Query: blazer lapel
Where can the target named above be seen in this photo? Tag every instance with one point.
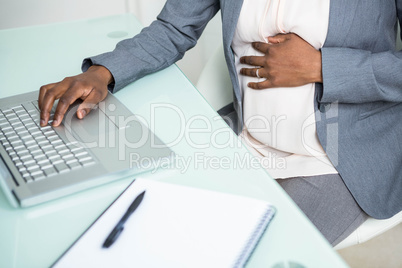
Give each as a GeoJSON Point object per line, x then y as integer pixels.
{"type": "Point", "coordinates": [341, 14]}
{"type": "Point", "coordinates": [230, 14]}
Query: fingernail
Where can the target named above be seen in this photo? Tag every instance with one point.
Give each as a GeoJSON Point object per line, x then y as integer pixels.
{"type": "Point", "coordinates": [55, 122]}
{"type": "Point", "coordinates": [42, 122]}
{"type": "Point", "coordinates": [82, 113]}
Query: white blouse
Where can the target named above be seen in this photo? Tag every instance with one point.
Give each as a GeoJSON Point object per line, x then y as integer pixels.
{"type": "Point", "coordinates": [279, 123]}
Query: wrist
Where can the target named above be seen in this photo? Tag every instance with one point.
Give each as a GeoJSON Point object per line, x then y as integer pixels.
{"type": "Point", "coordinates": [102, 73]}
{"type": "Point", "coordinates": [317, 77]}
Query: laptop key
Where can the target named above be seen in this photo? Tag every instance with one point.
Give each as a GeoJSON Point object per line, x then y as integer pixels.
{"type": "Point", "coordinates": [70, 161]}
{"type": "Point", "coordinates": [28, 179]}
{"type": "Point", "coordinates": [23, 153]}
{"type": "Point", "coordinates": [46, 147]}
{"type": "Point", "coordinates": [18, 126]}
{"type": "Point", "coordinates": [22, 114]}
{"type": "Point", "coordinates": [35, 117]}
{"type": "Point", "coordinates": [5, 142]}
{"type": "Point", "coordinates": [33, 147]}
{"type": "Point", "coordinates": [6, 127]}
{"type": "Point", "coordinates": [61, 167]}
{"type": "Point", "coordinates": [50, 152]}
{"type": "Point", "coordinates": [13, 121]}
{"type": "Point", "coordinates": [65, 152]}
{"type": "Point", "coordinates": [43, 161]}
{"type": "Point", "coordinates": [37, 174]}
{"type": "Point", "coordinates": [53, 138]}
{"type": "Point", "coordinates": [11, 116]}
{"type": "Point", "coordinates": [67, 156]}
{"type": "Point", "coordinates": [17, 107]}
{"type": "Point", "coordinates": [45, 166]}
{"type": "Point", "coordinates": [30, 142]}
{"type": "Point", "coordinates": [54, 157]}
{"type": "Point", "coordinates": [36, 152]}
{"type": "Point", "coordinates": [44, 144]}
{"type": "Point", "coordinates": [10, 133]}
{"type": "Point", "coordinates": [49, 133]}
{"type": "Point", "coordinates": [30, 162]}
{"type": "Point", "coordinates": [27, 138]}
{"type": "Point", "coordinates": [57, 143]}
{"type": "Point", "coordinates": [39, 138]}
{"type": "Point", "coordinates": [61, 147]}
{"type": "Point", "coordinates": [81, 154]}
{"type": "Point", "coordinates": [13, 139]}
{"type": "Point", "coordinates": [56, 160]}
{"type": "Point", "coordinates": [31, 106]}
{"type": "Point", "coordinates": [35, 131]}
{"type": "Point", "coordinates": [22, 169]}
{"type": "Point", "coordinates": [49, 171]}
{"type": "Point", "coordinates": [18, 144]}
{"type": "Point", "coordinates": [32, 127]}
{"type": "Point", "coordinates": [18, 163]}
{"type": "Point", "coordinates": [74, 165]}
{"type": "Point", "coordinates": [26, 158]}
{"type": "Point", "coordinates": [33, 168]}
{"type": "Point", "coordinates": [45, 128]}
{"type": "Point", "coordinates": [77, 150]}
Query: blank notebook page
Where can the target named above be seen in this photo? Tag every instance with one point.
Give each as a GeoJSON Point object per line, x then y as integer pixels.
{"type": "Point", "coordinates": [174, 226]}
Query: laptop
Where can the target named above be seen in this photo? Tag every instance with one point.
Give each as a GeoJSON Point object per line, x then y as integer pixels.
{"type": "Point", "coordinates": [39, 164]}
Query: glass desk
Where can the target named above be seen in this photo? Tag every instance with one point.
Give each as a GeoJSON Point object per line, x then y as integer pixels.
{"type": "Point", "coordinates": [208, 153]}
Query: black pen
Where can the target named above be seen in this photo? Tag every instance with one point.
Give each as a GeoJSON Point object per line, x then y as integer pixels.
{"type": "Point", "coordinates": [112, 237]}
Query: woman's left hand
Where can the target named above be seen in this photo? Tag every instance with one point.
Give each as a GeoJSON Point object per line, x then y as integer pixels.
{"type": "Point", "coordinates": [288, 61]}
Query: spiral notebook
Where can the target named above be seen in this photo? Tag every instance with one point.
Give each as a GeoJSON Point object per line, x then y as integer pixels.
{"type": "Point", "coordinates": [174, 226]}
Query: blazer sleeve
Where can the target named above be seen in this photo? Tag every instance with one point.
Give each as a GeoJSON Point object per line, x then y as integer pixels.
{"type": "Point", "coordinates": [358, 76]}
{"type": "Point", "coordinates": [176, 30]}
{"type": "Point", "coordinates": [353, 75]}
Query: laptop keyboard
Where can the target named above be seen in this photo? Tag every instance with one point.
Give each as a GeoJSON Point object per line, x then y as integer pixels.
{"type": "Point", "coordinates": [38, 152]}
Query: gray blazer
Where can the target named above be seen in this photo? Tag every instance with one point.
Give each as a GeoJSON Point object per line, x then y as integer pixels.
{"type": "Point", "coordinates": [358, 106]}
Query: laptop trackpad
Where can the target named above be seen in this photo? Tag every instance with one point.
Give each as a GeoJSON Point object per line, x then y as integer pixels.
{"type": "Point", "coordinates": [95, 127]}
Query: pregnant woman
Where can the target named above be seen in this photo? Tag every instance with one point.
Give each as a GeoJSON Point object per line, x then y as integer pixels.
{"type": "Point", "coordinates": [317, 84]}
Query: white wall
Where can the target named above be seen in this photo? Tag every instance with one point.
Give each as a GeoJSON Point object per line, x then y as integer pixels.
{"type": "Point", "coordinates": [195, 59]}
{"type": "Point", "coordinates": [19, 13]}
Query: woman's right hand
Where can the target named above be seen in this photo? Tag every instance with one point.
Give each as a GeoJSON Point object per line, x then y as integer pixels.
{"type": "Point", "coordinates": [90, 86]}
